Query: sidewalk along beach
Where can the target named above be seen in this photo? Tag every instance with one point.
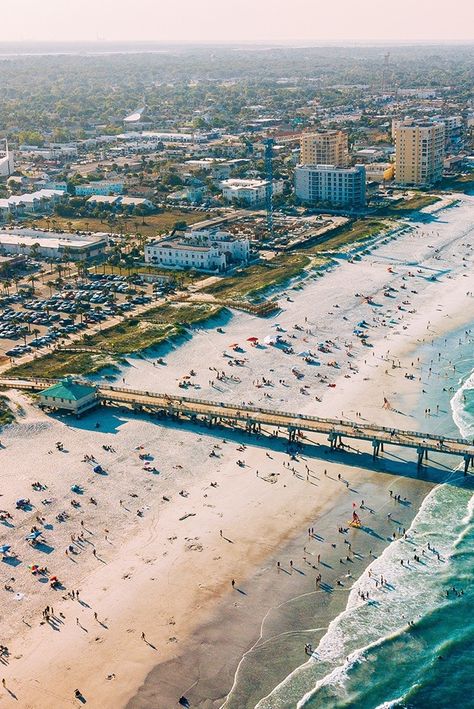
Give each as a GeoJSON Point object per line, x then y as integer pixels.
{"type": "Point", "coordinates": [173, 563]}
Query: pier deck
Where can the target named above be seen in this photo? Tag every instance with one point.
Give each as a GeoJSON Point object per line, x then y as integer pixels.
{"type": "Point", "coordinates": [255, 418]}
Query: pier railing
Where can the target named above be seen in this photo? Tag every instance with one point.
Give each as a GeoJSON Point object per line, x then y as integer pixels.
{"type": "Point", "coordinates": [254, 417]}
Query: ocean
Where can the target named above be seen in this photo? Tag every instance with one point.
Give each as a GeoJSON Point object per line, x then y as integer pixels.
{"type": "Point", "coordinates": [411, 645]}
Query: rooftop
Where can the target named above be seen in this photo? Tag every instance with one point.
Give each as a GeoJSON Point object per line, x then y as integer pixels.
{"type": "Point", "coordinates": [49, 239]}
{"type": "Point", "coordinates": [68, 390]}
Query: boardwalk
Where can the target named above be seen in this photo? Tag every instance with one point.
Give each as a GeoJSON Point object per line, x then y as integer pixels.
{"type": "Point", "coordinates": [255, 418]}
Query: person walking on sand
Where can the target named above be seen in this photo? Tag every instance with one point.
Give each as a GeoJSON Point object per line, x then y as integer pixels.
{"type": "Point", "coordinates": [233, 583]}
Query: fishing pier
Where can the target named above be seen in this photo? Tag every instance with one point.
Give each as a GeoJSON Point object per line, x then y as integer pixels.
{"type": "Point", "coordinates": [255, 419]}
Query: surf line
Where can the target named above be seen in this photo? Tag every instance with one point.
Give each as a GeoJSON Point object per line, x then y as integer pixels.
{"type": "Point", "coordinates": [264, 619]}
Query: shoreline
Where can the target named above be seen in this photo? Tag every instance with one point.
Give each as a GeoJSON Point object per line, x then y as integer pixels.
{"type": "Point", "coordinates": [180, 565]}
{"type": "Point", "coordinates": [207, 639]}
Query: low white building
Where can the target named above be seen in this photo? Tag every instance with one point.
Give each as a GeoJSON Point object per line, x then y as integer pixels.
{"type": "Point", "coordinates": [33, 202]}
{"type": "Point", "coordinates": [211, 251]}
{"type": "Point", "coordinates": [46, 244]}
{"type": "Point", "coordinates": [52, 151]}
{"type": "Point", "coordinates": [119, 201]}
{"type": "Point", "coordinates": [249, 192]}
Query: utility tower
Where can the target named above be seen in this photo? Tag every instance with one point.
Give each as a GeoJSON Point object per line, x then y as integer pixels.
{"type": "Point", "coordinates": [269, 175]}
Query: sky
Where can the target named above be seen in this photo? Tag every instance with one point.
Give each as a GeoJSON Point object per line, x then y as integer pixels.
{"type": "Point", "coordinates": [237, 20]}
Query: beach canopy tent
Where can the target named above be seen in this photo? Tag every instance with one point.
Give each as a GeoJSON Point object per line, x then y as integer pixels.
{"type": "Point", "coordinates": [70, 396]}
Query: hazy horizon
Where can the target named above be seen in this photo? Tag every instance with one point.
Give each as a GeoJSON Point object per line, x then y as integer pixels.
{"type": "Point", "coordinates": [238, 21]}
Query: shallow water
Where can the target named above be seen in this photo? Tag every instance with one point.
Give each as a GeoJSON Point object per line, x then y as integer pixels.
{"type": "Point", "coordinates": [412, 644]}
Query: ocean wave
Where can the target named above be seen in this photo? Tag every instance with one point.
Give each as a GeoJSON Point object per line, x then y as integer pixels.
{"type": "Point", "coordinates": [340, 674]}
{"type": "Point", "coordinates": [413, 593]}
{"type": "Point", "coordinates": [391, 704]}
{"type": "Point", "coordinates": [463, 418]}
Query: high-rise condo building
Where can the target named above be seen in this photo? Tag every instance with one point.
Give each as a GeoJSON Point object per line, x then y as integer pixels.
{"type": "Point", "coordinates": [419, 152]}
{"type": "Point", "coordinates": [325, 148]}
{"type": "Point", "coordinates": [330, 185]}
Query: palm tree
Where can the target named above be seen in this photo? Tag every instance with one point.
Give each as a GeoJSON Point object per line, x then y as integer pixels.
{"type": "Point", "coordinates": [32, 279]}
{"type": "Point", "coordinates": [36, 332]}
{"type": "Point", "coordinates": [6, 285]}
{"type": "Point", "coordinates": [50, 285]}
{"type": "Point", "coordinates": [67, 259]}
{"type": "Point", "coordinates": [98, 309]}
{"type": "Point", "coordinates": [34, 249]}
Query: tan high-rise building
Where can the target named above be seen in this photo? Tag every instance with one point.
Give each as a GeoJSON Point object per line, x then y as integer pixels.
{"type": "Point", "coordinates": [325, 148]}
{"type": "Point", "coordinates": [419, 152]}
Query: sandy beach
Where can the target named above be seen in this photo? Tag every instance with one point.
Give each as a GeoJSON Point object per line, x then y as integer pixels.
{"type": "Point", "coordinates": [154, 544]}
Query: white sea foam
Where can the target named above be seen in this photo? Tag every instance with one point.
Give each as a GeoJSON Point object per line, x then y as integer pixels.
{"type": "Point", "coordinates": [339, 675]}
{"type": "Point", "coordinates": [392, 606]}
{"type": "Point", "coordinates": [463, 419]}
{"type": "Point", "coordinates": [392, 704]}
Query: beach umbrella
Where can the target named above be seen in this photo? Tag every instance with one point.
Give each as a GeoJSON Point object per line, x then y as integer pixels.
{"type": "Point", "coordinates": [235, 344]}
{"type": "Point", "coordinates": [252, 339]}
{"type": "Point", "coordinates": [269, 340]}
{"type": "Point", "coordinates": [5, 548]}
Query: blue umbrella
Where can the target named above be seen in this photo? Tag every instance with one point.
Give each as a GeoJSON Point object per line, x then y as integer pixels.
{"type": "Point", "coordinates": [5, 548]}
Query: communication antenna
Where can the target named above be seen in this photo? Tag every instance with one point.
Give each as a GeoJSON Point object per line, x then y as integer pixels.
{"type": "Point", "coordinates": [269, 190]}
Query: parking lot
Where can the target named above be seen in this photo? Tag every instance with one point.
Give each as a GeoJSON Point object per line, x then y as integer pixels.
{"type": "Point", "coordinates": [30, 322]}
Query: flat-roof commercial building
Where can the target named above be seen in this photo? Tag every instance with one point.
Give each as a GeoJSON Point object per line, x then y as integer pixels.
{"type": "Point", "coordinates": [99, 188]}
{"type": "Point", "coordinates": [249, 192]}
{"type": "Point", "coordinates": [331, 186]}
{"type": "Point", "coordinates": [211, 251]}
{"type": "Point", "coordinates": [127, 203]}
{"type": "Point", "coordinates": [46, 244]}
{"type": "Point", "coordinates": [329, 147]}
{"type": "Point", "coordinates": [156, 137]}
{"type": "Point", "coordinates": [419, 152]}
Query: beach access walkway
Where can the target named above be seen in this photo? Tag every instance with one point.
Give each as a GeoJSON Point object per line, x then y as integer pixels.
{"type": "Point", "coordinates": [255, 418]}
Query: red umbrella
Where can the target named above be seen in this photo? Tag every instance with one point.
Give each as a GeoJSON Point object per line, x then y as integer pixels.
{"type": "Point", "coordinates": [252, 339]}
